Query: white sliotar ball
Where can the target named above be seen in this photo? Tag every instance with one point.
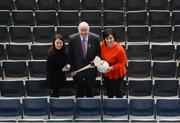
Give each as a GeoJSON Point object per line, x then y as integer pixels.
{"type": "Point", "coordinates": [103, 66]}
{"type": "Point", "coordinates": [68, 66]}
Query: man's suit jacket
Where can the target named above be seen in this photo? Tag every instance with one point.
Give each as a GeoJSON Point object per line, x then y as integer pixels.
{"type": "Point", "coordinates": [75, 53]}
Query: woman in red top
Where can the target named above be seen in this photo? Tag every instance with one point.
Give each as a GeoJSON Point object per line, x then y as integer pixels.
{"type": "Point", "coordinates": [115, 55]}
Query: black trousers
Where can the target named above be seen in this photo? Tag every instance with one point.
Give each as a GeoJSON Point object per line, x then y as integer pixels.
{"type": "Point", "coordinates": [113, 87]}
{"type": "Point", "coordinates": [84, 87]}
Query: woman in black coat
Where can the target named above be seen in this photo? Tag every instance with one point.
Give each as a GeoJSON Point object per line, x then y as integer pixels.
{"type": "Point", "coordinates": [56, 65]}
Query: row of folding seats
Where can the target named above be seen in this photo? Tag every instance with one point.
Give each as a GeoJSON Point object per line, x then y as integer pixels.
{"type": "Point", "coordinates": [153, 70]}
{"type": "Point", "coordinates": [33, 88]}
{"type": "Point", "coordinates": [24, 51]}
{"type": "Point", "coordinates": [135, 34]}
{"type": "Point", "coordinates": [136, 69]}
{"type": "Point", "coordinates": [111, 109]}
{"type": "Point", "coordinates": [88, 121]}
{"type": "Point", "coordinates": [90, 5]}
{"type": "Point", "coordinates": [154, 52]}
{"type": "Point", "coordinates": [24, 69]}
{"type": "Point", "coordinates": [157, 89]}
{"type": "Point", "coordinates": [134, 52]}
{"type": "Point", "coordinates": [134, 89]}
{"type": "Point", "coordinates": [94, 18]}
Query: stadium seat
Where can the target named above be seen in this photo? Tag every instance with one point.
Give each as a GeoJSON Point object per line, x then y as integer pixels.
{"type": "Point", "coordinates": [97, 30]}
{"type": "Point", "coordinates": [175, 35]}
{"type": "Point", "coordinates": [178, 72]}
{"type": "Point", "coordinates": [6, 4]}
{"type": "Point", "coordinates": [115, 121]}
{"type": "Point", "coordinates": [140, 88]}
{"type": "Point", "coordinates": [10, 109]}
{"type": "Point", "coordinates": [35, 108]}
{"type": "Point", "coordinates": [21, 34]}
{"type": "Point", "coordinates": [5, 17]}
{"type": "Point", "coordinates": [175, 18]}
{"type": "Point", "coordinates": [109, 5]}
{"type": "Point", "coordinates": [62, 108]}
{"type": "Point", "coordinates": [37, 88]}
{"type": "Point", "coordinates": [88, 120]}
{"type": "Point", "coordinates": [47, 4]}
{"type": "Point", "coordinates": [137, 34]}
{"type": "Point", "coordinates": [138, 52]}
{"type": "Point", "coordinates": [113, 17]}
{"type": "Point", "coordinates": [177, 54]}
{"type": "Point", "coordinates": [68, 18]}
{"type": "Point", "coordinates": [1, 73]}
{"type": "Point", "coordinates": [139, 69]}
{"type": "Point", "coordinates": [23, 17]}
{"type": "Point", "coordinates": [136, 17]}
{"type": "Point", "coordinates": [157, 5]}
{"type": "Point", "coordinates": [8, 121]}
{"type": "Point", "coordinates": [160, 34]}
{"type": "Point", "coordinates": [12, 88]}
{"type": "Point", "coordinates": [159, 17]}
{"type": "Point", "coordinates": [166, 88]}
{"type": "Point", "coordinates": [31, 121]}
{"type": "Point", "coordinates": [69, 4]}
{"type": "Point", "coordinates": [88, 108]}
{"type": "Point", "coordinates": [141, 109]}
{"type": "Point", "coordinates": [169, 121]}
{"type": "Point", "coordinates": [91, 4]}
{"type": "Point", "coordinates": [4, 35]}
{"type": "Point", "coordinates": [143, 121]}
{"type": "Point", "coordinates": [37, 68]}
{"type": "Point", "coordinates": [43, 34]}
{"type": "Point", "coordinates": [15, 69]}
{"type": "Point", "coordinates": [135, 6]}
{"type": "Point", "coordinates": [174, 5]}
{"type": "Point", "coordinates": [3, 55]}
{"type": "Point", "coordinates": [39, 51]}
{"type": "Point", "coordinates": [164, 70]}
{"type": "Point", "coordinates": [162, 52]}
{"type": "Point", "coordinates": [18, 52]}
{"type": "Point", "coordinates": [59, 121]}
{"type": "Point", "coordinates": [167, 108]}
{"type": "Point", "coordinates": [93, 17]}
{"type": "Point", "coordinates": [26, 5]}
{"type": "Point", "coordinates": [115, 109]}
{"type": "Point", "coordinates": [46, 18]}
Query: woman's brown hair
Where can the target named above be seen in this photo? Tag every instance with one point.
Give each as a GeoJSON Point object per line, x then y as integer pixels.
{"type": "Point", "coordinates": [53, 49]}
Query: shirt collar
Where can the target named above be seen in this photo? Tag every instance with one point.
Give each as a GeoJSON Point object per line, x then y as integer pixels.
{"type": "Point", "coordinates": [85, 38]}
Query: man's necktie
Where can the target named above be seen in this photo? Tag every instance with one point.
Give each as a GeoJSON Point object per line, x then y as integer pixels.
{"type": "Point", "coordinates": [84, 47]}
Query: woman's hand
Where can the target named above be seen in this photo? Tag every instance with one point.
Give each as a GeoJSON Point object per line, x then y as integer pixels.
{"type": "Point", "coordinates": [67, 67]}
{"type": "Point", "coordinates": [109, 69]}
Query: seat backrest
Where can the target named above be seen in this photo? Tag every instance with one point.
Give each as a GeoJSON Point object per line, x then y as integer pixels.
{"type": "Point", "coordinates": [12, 88]}
{"type": "Point", "coordinates": [88, 107]}
{"type": "Point", "coordinates": [18, 52]}
{"type": "Point", "coordinates": [141, 107]}
{"type": "Point", "coordinates": [10, 108]}
{"type": "Point", "coordinates": [37, 88]}
{"type": "Point", "coordinates": [140, 87]}
{"type": "Point", "coordinates": [115, 107]}
{"type": "Point", "coordinates": [35, 106]}
{"type": "Point", "coordinates": [61, 107]}
{"type": "Point", "coordinates": [168, 107]}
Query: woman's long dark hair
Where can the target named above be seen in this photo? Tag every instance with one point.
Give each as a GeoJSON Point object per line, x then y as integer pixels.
{"type": "Point", "coordinates": [52, 49]}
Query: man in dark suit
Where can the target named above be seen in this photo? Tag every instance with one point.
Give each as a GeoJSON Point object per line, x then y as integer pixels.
{"type": "Point", "coordinates": [83, 47]}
